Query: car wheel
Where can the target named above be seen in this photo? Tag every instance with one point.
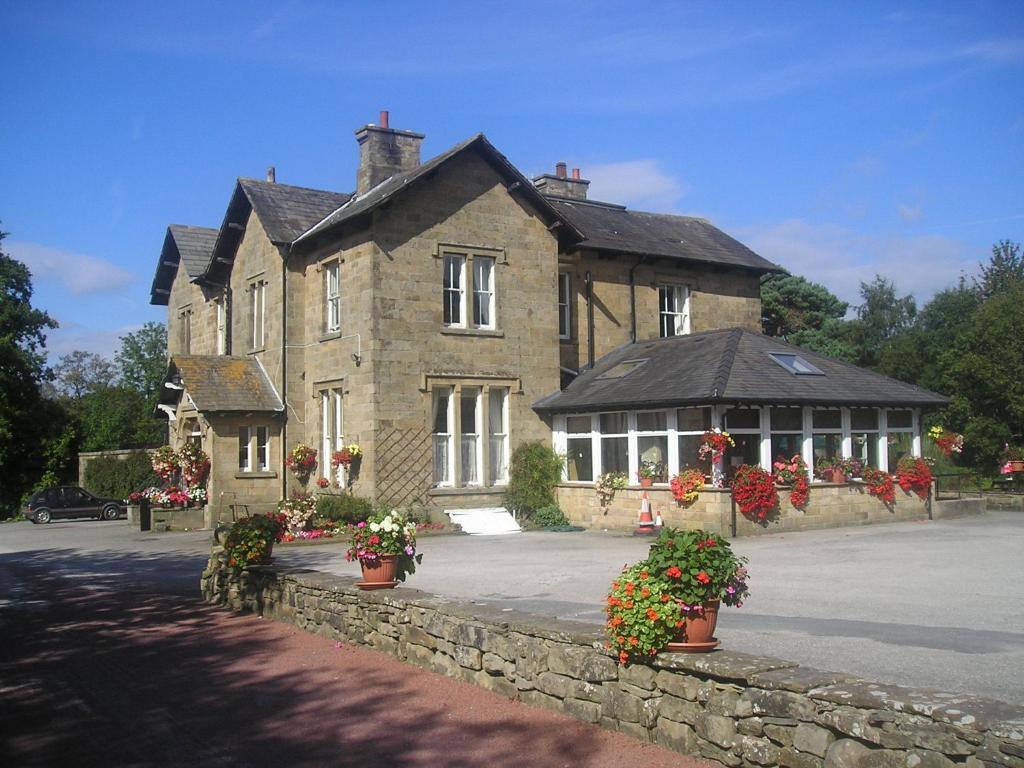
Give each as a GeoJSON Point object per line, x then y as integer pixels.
{"type": "Point", "coordinates": [42, 516]}
{"type": "Point", "coordinates": [110, 513]}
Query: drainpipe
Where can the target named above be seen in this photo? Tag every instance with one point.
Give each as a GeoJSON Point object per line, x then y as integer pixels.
{"type": "Point", "coordinates": [286, 251]}
{"type": "Point", "coordinates": [632, 299]}
{"type": "Point", "coordinates": [588, 280]}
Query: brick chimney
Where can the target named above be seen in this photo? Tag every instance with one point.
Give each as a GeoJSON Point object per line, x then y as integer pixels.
{"type": "Point", "coordinates": [383, 152]}
{"type": "Point", "coordinates": [561, 185]}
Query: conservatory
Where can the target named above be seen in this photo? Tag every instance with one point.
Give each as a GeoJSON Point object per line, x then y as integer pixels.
{"type": "Point", "coordinates": [648, 404]}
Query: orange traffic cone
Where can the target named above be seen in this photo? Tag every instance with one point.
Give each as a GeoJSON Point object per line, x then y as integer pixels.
{"type": "Point", "coordinates": [646, 527]}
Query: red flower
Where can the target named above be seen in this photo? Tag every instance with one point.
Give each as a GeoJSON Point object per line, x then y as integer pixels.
{"type": "Point", "coordinates": [673, 572]}
{"type": "Point", "coordinates": [652, 614]}
{"type": "Point", "coordinates": [703, 578]}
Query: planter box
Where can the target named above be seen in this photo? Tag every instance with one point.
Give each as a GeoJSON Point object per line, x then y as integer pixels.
{"type": "Point", "coordinates": [179, 519]}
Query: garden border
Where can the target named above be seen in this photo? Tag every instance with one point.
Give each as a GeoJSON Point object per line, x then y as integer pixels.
{"type": "Point", "coordinates": [735, 708]}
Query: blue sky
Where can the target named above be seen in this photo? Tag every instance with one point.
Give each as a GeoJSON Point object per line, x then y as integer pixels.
{"type": "Point", "coordinates": [837, 140]}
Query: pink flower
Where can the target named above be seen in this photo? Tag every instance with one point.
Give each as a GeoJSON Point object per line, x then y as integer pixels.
{"type": "Point", "coordinates": [409, 550]}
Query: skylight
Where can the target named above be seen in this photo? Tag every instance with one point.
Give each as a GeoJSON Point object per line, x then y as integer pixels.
{"type": "Point", "coordinates": [622, 369]}
{"type": "Point", "coordinates": [795, 364]}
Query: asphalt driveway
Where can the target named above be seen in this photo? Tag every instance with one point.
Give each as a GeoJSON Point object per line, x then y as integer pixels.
{"type": "Point", "coordinates": [932, 604]}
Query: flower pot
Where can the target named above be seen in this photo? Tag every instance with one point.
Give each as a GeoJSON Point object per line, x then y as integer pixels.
{"type": "Point", "coordinates": [836, 476]}
{"type": "Point", "coordinates": [379, 573]}
{"type": "Point", "coordinates": [646, 482]}
{"type": "Point", "coordinates": [1016, 466]}
{"type": "Point", "coordinates": [698, 632]}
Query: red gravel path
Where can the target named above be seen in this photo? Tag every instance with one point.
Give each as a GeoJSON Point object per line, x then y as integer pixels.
{"type": "Point", "coordinates": [136, 678]}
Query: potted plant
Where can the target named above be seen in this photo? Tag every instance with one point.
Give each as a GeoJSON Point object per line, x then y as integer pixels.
{"type": "Point", "coordinates": [914, 475]}
{"type": "Point", "coordinates": [830, 469]}
{"type": "Point", "coordinates": [385, 546]}
{"type": "Point", "coordinates": [649, 471]}
{"type": "Point", "coordinates": [687, 485]}
{"type": "Point", "coordinates": [298, 511]}
{"type": "Point", "coordinates": [946, 440]}
{"type": "Point", "coordinates": [880, 485]}
{"type": "Point", "coordinates": [793, 472]}
{"type": "Point", "coordinates": [670, 600]}
{"type": "Point", "coordinates": [713, 446]}
{"type": "Point", "coordinates": [852, 467]}
{"type": "Point", "coordinates": [1011, 460]}
{"type": "Point", "coordinates": [754, 492]}
{"type": "Point", "coordinates": [608, 483]}
{"type": "Point", "coordinates": [347, 457]}
{"type": "Point", "coordinates": [301, 460]}
{"type": "Point", "coordinates": [643, 617]}
{"type": "Point", "coordinates": [250, 541]}
{"type": "Point", "coordinates": [165, 462]}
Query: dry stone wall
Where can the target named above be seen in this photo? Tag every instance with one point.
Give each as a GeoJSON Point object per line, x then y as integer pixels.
{"type": "Point", "coordinates": [738, 709]}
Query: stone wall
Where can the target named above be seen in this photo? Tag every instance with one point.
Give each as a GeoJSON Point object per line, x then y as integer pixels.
{"type": "Point", "coordinates": [738, 709]}
{"type": "Point", "coordinates": [831, 505]}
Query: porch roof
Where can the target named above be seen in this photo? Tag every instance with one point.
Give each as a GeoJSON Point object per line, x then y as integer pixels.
{"type": "Point", "coordinates": [730, 366]}
{"type": "Point", "coordinates": [220, 383]}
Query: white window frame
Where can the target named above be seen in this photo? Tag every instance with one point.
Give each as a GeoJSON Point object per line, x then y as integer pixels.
{"type": "Point", "coordinates": [332, 437]}
{"type": "Point", "coordinates": [477, 460]}
{"type": "Point", "coordinates": [565, 305]}
{"type": "Point", "coordinates": [454, 266]}
{"type": "Point", "coordinates": [483, 291]}
{"type": "Point", "coordinates": [220, 305]}
{"type": "Point", "coordinates": [448, 480]}
{"type": "Point", "coordinates": [500, 474]}
{"type": "Point", "coordinates": [675, 312]}
{"type": "Point", "coordinates": [332, 296]}
{"type": "Point", "coordinates": [258, 297]}
{"type": "Point", "coordinates": [256, 441]}
{"type": "Point", "coordinates": [563, 436]}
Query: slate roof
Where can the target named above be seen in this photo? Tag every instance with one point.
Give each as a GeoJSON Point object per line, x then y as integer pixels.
{"type": "Point", "coordinates": [286, 211]}
{"type": "Point", "coordinates": [221, 383]}
{"type": "Point", "coordinates": [387, 189]}
{"type": "Point", "coordinates": [608, 227]}
{"type": "Point", "coordinates": [727, 366]}
{"type": "Point", "coordinates": [193, 245]}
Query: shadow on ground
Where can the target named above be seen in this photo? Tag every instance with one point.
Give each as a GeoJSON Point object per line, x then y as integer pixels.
{"type": "Point", "coordinates": [99, 668]}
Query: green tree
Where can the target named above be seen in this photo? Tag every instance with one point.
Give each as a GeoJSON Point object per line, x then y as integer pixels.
{"type": "Point", "coordinates": [117, 417]}
{"type": "Point", "coordinates": [23, 428]}
{"type": "Point", "coordinates": [983, 371]}
{"type": "Point", "coordinates": [791, 304]}
{"type": "Point", "coordinates": [880, 318]}
{"type": "Point", "coordinates": [1004, 271]}
{"type": "Point", "coordinates": [78, 373]}
{"type": "Point", "coordinates": [142, 359]}
{"type": "Point", "coordinates": [533, 473]}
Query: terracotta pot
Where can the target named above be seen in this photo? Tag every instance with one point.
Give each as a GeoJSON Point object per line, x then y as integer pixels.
{"type": "Point", "coordinates": [646, 482]}
{"type": "Point", "coordinates": [698, 632]}
{"type": "Point", "coordinates": [837, 476]}
{"type": "Point", "coordinates": [1016, 466]}
{"type": "Point", "coordinates": [379, 573]}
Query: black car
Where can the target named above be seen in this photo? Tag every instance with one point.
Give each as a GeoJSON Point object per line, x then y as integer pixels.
{"type": "Point", "coordinates": [70, 501]}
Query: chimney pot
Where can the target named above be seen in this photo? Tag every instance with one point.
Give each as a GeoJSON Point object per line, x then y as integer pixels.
{"type": "Point", "coordinates": [384, 119]}
{"type": "Point", "coordinates": [271, 175]}
{"type": "Point", "coordinates": [560, 170]}
{"type": "Point", "coordinates": [575, 173]}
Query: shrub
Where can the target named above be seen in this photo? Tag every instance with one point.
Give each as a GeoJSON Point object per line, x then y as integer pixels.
{"type": "Point", "coordinates": [115, 478]}
{"type": "Point", "coordinates": [250, 540]}
{"type": "Point", "coordinates": [548, 516]}
{"type": "Point", "coordinates": [534, 472]}
{"type": "Point", "coordinates": [343, 508]}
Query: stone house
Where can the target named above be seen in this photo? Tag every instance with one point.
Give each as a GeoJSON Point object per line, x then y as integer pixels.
{"type": "Point", "coordinates": [422, 316]}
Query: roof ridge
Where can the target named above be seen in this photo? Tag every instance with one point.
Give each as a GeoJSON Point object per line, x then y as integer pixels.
{"type": "Point", "coordinates": [724, 371]}
{"type": "Point", "coordinates": [278, 185]}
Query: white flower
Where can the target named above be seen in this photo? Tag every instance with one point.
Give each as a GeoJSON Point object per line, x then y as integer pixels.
{"type": "Point", "coordinates": [375, 527]}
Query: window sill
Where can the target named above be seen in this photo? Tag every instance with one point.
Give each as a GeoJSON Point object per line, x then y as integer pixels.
{"type": "Point", "coordinates": [329, 335]}
{"type": "Point", "coordinates": [452, 331]}
{"type": "Point", "coordinates": [255, 475]}
{"type": "Point", "coordinates": [471, 490]}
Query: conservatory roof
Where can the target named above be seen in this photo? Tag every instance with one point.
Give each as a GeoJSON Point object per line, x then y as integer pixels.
{"type": "Point", "coordinates": [730, 366]}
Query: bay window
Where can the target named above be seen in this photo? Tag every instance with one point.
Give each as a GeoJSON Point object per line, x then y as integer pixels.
{"type": "Point", "coordinates": [691, 424]}
{"type": "Point", "coordinates": [864, 435]}
{"type": "Point", "coordinates": [899, 430]}
{"type": "Point", "coordinates": [826, 435]}
{"type": "Point", "coordinates": [614, 428]}
{"type": "Point", "coordinates": [744, 425]}
{"type": "Point", "coordinates": [787, 426]}
{"type": "Point", "coordinates": [579, 449]}
{"type": "Point", "coordinates": [652, 443]}
{"type": "Point", "coordinates": [470, 435]}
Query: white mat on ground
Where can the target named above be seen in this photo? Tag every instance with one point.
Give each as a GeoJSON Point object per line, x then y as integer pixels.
{"type": "Point", "coordinates": [484, 521]}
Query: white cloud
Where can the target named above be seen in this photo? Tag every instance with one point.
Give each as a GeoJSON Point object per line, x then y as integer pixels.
{"type": "Point", "coordinates": [841, 259]}
{"type": "Point", "coordinates": [909, 213]}
{"type": "Point", "coordinates": [639, 184]}
{"type": "Point", "coordinates": [71, 336]}
{"type": "Point", "coordinates": [77, 273]}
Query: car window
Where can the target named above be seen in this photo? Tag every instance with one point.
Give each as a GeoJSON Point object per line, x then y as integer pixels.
{"type": "Point", "coordinates": [51, 496]}
{"type": "Point", "coordinates": [74, 497]}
